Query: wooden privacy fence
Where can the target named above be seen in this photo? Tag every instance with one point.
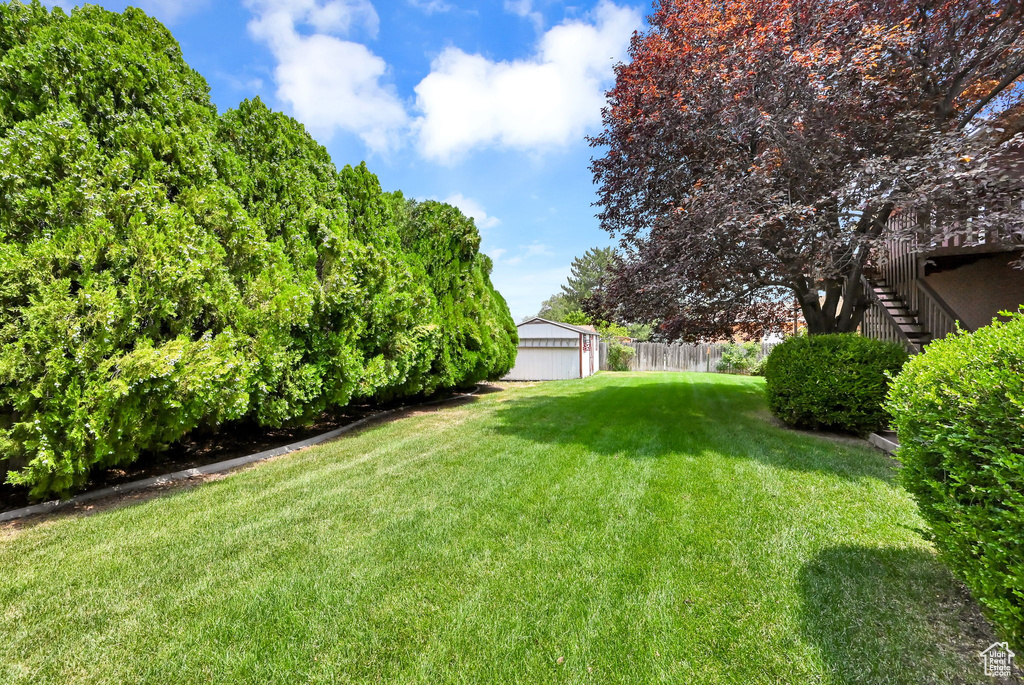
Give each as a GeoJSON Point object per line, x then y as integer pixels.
{"type": "Point", "coordinates": [665, 357]}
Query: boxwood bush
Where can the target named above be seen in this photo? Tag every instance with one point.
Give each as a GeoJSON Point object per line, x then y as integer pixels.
{"type": "Point", "coordinates": [831, 382]}
{"type": "Point", "coordinates": [165, 269]}
{"type": "Point", "coordinates": [959, 412]}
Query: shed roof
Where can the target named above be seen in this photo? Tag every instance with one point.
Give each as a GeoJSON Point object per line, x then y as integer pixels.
{"type": "Point", "coordinates": [588, 330]}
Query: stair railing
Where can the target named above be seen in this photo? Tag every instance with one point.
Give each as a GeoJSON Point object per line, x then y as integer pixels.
{"type": "Point", "coordinates": [878, 323]}
{"type": "Point", "coordinates": [934, 314]}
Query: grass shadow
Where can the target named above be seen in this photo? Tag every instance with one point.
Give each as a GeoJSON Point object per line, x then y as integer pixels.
{"type": "Point", "coordinates": [891, 615]}
{"type": "Point", "coordinates": [655, 415]}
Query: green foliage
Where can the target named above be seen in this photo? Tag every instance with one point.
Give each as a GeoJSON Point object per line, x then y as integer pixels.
{"type": "Point", "coordinates": [164, 269]}
{"type": "Point", "coordinates": [584, 287]}
{"type": "Point", "coordinates": [610, 331]}
{"type": "Point", "coordinates": [575, 317]}
{"type": "Point", "coordinates": [619, 356]}
{"type": "Point", "coordinates": [469, 329]}
{"type": "Point", "coordinates": [607, 329]}
{"type": "Point", "coordinates": [739, 357]}
{"type": "Point", "coordinates": [311, 273]}
{"type": "Point", "coordinates": [119, 295]}
{"type": "Point", "coordinates": [588, 274]}
{"type": "Point", "coordinates": [560, 307]}
{"type": "Point", "coordinates": [831, 382]}
{"type": "Point", "coordinates": [584, 300]}
{"type": "Point", "coordinates": [958, 409]}
{"type": "Point", "coordinates": [640, 332]}
{"type": "Point", "coordinates": [556, 308]}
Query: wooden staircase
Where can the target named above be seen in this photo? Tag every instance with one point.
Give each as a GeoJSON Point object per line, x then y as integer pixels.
{"type": "Point", "coordinates": [904, 319]}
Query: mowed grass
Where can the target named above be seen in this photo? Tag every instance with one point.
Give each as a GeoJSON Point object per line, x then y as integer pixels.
{"type": "Point", "coordinates": [629, 528]}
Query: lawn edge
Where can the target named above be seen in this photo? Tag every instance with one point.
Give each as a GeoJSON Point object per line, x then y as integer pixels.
{"type": "Point", "coordinates": [216, 467]}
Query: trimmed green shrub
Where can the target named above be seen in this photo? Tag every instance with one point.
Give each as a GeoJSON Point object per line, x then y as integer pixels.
{"type": "Point", "coordinates": [163, 269]}
{"type": "Point", "coordinates": [959, 410]}
{"type": "Point", "coordinates": [619, 356]}
{"type": "Point", "coordinates": [831, 382]}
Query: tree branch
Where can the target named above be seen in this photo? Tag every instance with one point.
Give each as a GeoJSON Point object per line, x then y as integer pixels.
{"type": "Point", "coordinates": [1014, 74]}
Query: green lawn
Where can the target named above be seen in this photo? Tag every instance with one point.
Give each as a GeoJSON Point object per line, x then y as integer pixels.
{"type": "Point", "coordinates": [629, 528]}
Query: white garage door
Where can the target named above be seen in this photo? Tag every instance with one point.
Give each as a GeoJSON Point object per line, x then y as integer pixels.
{"type": "Point", "coordinates": [545, 364]}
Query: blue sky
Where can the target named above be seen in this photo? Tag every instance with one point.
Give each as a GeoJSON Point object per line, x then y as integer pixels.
{"type": "Point", "coordinates": [482, 104]}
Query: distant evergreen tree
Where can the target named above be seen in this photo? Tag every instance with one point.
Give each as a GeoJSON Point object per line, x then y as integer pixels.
{"type": "Point", "coordinates": [585, 299]}
{"type": "Point", "coordinates": [588, 276]}
{"type": "Point", "coordinates": [585, 287]}
{"type": "Point", "coordinates": [556, 308]}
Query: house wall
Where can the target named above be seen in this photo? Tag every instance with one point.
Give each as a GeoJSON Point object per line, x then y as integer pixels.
{"type": "Point", "coordinates": [979, 290]}
{"type": "Point", "coordinates": [546, 364]}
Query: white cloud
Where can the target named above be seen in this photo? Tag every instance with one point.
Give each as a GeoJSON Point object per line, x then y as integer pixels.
{"type": "Point", "coordinates": [551, 99]}
{"type": "Point", "coordinates": [520, 7]}
{"type": "Point", "coordinates": [431, 6]}
{"type": "Point", "coordinates": [247, 86]}
{"type": "Point", "coordinates": [536, 249]}
{"type": "Point", "coordinates": [474, 209]}
{"type": "Point", "coordinates": [524, 8]}
{"type": "Point", "coordinates": [277, 19]}
{"type": "Point", "coordinates": [330, 84]}
{"type": "Point", "coordinates": [170, 11]}
{"type": "Point", "coordinates": [526, 252]}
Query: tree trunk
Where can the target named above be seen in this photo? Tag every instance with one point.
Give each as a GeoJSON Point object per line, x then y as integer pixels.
{"type": "Point", "coordinates": [820, 313]}
{"type": "Point", "coordinates": [845, 299]}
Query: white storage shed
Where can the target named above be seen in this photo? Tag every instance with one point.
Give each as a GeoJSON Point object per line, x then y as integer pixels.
{"type": "Point", "coordinates": [554, 351]}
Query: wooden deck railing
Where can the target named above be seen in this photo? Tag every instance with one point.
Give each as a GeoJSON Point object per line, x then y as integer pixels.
{"type": "Point", "coordinates": [937, 316]}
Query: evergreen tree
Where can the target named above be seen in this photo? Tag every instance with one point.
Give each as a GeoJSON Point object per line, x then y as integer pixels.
{"type": "Point", "coordinates": [588, 276]}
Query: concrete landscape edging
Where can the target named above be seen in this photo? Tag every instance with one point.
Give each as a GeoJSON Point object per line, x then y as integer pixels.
{"type": "Point", "coordinates": [217, 467]}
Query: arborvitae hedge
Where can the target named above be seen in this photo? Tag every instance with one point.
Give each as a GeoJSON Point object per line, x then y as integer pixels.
{"type": "Point", "coordinates": [468, 320]}
{"type": "Point", "coordinates": [164, 269]}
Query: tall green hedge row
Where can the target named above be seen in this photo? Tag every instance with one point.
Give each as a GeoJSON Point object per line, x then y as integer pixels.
{"type": "Point", "coordinates": [959, 412]}
{"type": "Point", "coordinates": [163, 268]}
